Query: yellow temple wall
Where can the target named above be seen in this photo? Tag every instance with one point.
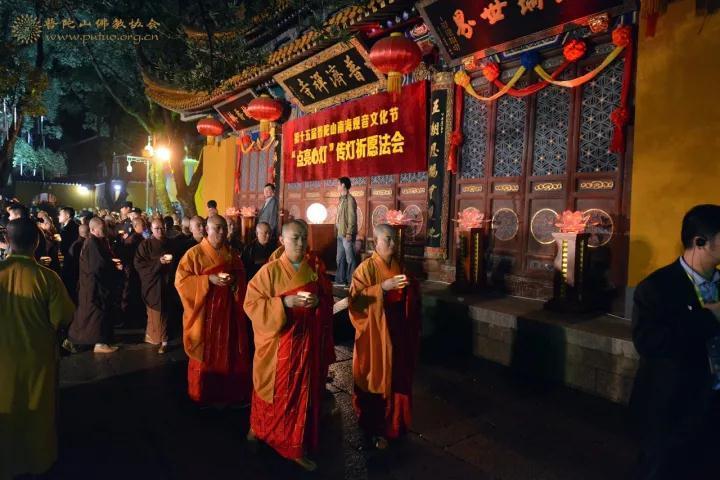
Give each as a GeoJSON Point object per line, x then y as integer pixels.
{"type": "Point", "coordinates": [676, 152]}
{"type": "Point", "coordinates": [218, 176]}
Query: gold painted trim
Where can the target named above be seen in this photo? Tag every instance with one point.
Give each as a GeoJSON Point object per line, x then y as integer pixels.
{"type": "Point", "coordinates": [312, 194]}
{"type": "Point", "coordinates": [294, 195]}
{"type": "Point", "coordinates": [471, 188]}
{"type": "Point", "coordinates": [381, 192]}
{"type": "Point", "coordinates": [507, 188]}
{"type": "Point", "coordinates": [412, 190]}
{"type": "Point", "coordinates": [547, 187]}
{"type": "Point", "coordinates": [596, 185]}
{"type": "Point", "coordinates": [335, 50]}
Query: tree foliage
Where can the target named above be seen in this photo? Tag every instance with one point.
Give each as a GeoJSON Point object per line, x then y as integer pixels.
{"type": "Point", "coordinates": [41, 162]}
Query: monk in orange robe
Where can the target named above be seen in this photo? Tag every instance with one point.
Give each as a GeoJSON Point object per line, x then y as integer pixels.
{"type": "Point", "coordinates": [290, 309]}
{"type": "Point", "coordinates": [210, 280]}
{"type": "Point", "coordinates": [384, 308]}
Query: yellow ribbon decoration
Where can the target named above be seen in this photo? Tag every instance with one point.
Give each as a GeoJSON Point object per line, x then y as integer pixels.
{"type": "Point", "coordinates": [576, 82]}
{"type": "Point", "coordinates": [463, 79]}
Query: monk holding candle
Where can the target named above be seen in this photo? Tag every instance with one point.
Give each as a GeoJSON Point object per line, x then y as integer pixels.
{"type": "Point", "coordinates": [384, 308]}
{"type": "Point", "coordinates": [154, 264]}
{"type": "Point", "coordinates": [290, 309]}
{"type": "Point", "coordinates": [211, 283]}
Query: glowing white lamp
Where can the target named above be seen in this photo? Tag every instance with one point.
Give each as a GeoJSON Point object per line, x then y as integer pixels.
{"type": "Point", "coordinates": [162, 154]}
{"type": "Point", "coordinates": [316, 213]}
{"type": "Point", "coordinates": [83, 190]}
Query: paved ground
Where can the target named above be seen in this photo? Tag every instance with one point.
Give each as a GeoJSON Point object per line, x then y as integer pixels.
{"type": "Point", "coordinates": [126, 415]}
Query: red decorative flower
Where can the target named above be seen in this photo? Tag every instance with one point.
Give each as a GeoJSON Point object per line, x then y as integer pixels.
{"type": "Point", "coordinates": [470, 218]}
{"type": "Point", "coordinates": [491, 71]}
{"type": "Point", "coordinates": [620, 116]}
{"type": "Point", "coordinates": [572, 222]}
{"type": "Point", "coordinates": [395, 217]}
{"type": "Point", "coordinates": [247, 211]}
{"type": "Point", "coordinates": [574, 50]}
{"type": "Point", "coordinates": [244, 141]}
{"type": "Point", "coordinates": [622, 36]}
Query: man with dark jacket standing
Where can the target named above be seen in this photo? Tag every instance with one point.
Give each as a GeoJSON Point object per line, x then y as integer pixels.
{"type": "Point", "coordinates": [676, 316]}
{"type": "Point", "coordinates": [347, 229]}
{"type": "Point", "coordinates": [68, 235]}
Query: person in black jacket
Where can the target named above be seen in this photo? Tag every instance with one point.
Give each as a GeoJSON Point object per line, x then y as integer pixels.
{"type": "Point", "coordinates": [676, 312]}
{"type": "Point", "coordinates": [68, 235]}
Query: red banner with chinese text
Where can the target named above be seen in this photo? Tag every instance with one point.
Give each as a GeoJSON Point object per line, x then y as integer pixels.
{"type": "Point", "coordinates": [370, 136]}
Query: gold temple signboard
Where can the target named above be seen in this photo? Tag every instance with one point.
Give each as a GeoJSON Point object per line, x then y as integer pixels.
{"type": "Point", "coordinates": [335, 75]}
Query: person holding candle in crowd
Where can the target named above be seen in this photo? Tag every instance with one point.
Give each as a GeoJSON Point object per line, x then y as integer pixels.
{"type": "Point", "coordinates": [290, 310]}
{"type": "Point", "coordinates": [154, 265]}
{"type": "Point", "coordinates": [384, 308]}
{"type": "Point", "coordinates": [100, 273]}
{"type": "Point", "coordinates": [210, 280]}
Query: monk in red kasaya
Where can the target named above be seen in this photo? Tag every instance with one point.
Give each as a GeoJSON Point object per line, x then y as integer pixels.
{"type": "Point", "coordinates": [211, 283]}
{"type": "Point", "coordinates": [384, 308]}
{"type": "Point", "coordinates": [290, 308]}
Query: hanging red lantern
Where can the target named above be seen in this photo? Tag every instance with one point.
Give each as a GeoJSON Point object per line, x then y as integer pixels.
{"type": "Point", "coordinates": [395, 56]}
{"type": "Point", "coordinates": [210, 127]}
{"type": "Point", "coordinates": [264, 109]}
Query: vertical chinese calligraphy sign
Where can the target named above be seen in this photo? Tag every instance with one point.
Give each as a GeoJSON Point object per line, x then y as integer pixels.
{"type": "Point", "coordinates": [231, 110]}
{"type": "Point", "coordinates": [335, 75]}
{"type": "Point", "coordinates": [440, 127]}
{"type": "Point", "coordinates": [374, 135]}
{"type": "Point", "coordinates": [486, 27]}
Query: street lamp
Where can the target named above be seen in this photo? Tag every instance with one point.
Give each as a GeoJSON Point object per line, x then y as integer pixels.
{"type": "Point", "coordinates": [163, 153]}
{"type": "Point", "coordinates": [146, 161]}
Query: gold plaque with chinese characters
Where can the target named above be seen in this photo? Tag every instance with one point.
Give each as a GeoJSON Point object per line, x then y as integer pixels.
{"type": "Point", "coordinates": [335, 75]}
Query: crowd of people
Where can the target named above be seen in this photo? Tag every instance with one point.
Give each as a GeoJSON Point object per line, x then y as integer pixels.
{"type": "Point", "coordinates": [255, 319]}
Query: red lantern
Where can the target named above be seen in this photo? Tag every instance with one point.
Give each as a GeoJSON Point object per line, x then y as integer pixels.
{"type": "Point", "coordinates": [264, 109]}
{"type": "Point", "coordinates": [210, 127]}
{"type": "Point", "coordinates": [395, 56]}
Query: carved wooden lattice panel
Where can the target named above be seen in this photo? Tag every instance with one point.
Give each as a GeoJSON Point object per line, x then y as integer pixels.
{"type": "Point", "coordinates": [552, 112]}
{"type": "Point", "coordinates": [382, 179]}
{"type": "Point", "coordinates": [413, 177]}
{"type": "Point", "coordinates": [509, 136]}
{"type": "Point", "coordinates": [600, 97]}
{"type": "Point", "coordinates": [474, 147]}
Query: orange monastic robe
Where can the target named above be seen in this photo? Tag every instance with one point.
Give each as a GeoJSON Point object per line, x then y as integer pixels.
{"type": "Point", "coordinates": [276, 254]}
{"type": "Point", "coordinates": [215, 329]}
{"type": "Point", "coordinates": [387, 334]}
{"type": "Point", "coordinates": [290, 362]}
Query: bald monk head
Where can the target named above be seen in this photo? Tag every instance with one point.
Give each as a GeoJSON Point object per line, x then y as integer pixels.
{"type": "Point", "coordinates": [294, 239]}
{"type": "Point", "coordinates": [384, 236]}
{"type": "Point", "coordinates": [158, 229]}
{"type": "Point", "coordinates": [197, 228]}
{"type": "Point", "coordinates": [23, 236]}
{"type": "Point", "coordinates": [262, 232]}
{"type": "Point", "coordinates": [185, 226]}
{"type": "Point", "coordinates": [84, 231]}
{"type": "Point", "coordinates": [98, 228]}
{"type": "Point", "coordinates": [217, 230]}
{"type": "Point", "coordinates": [138, 225]}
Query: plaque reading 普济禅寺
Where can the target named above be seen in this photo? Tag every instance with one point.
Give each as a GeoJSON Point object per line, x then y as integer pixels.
{"type": "Point", "coordinates": [335, 75]}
